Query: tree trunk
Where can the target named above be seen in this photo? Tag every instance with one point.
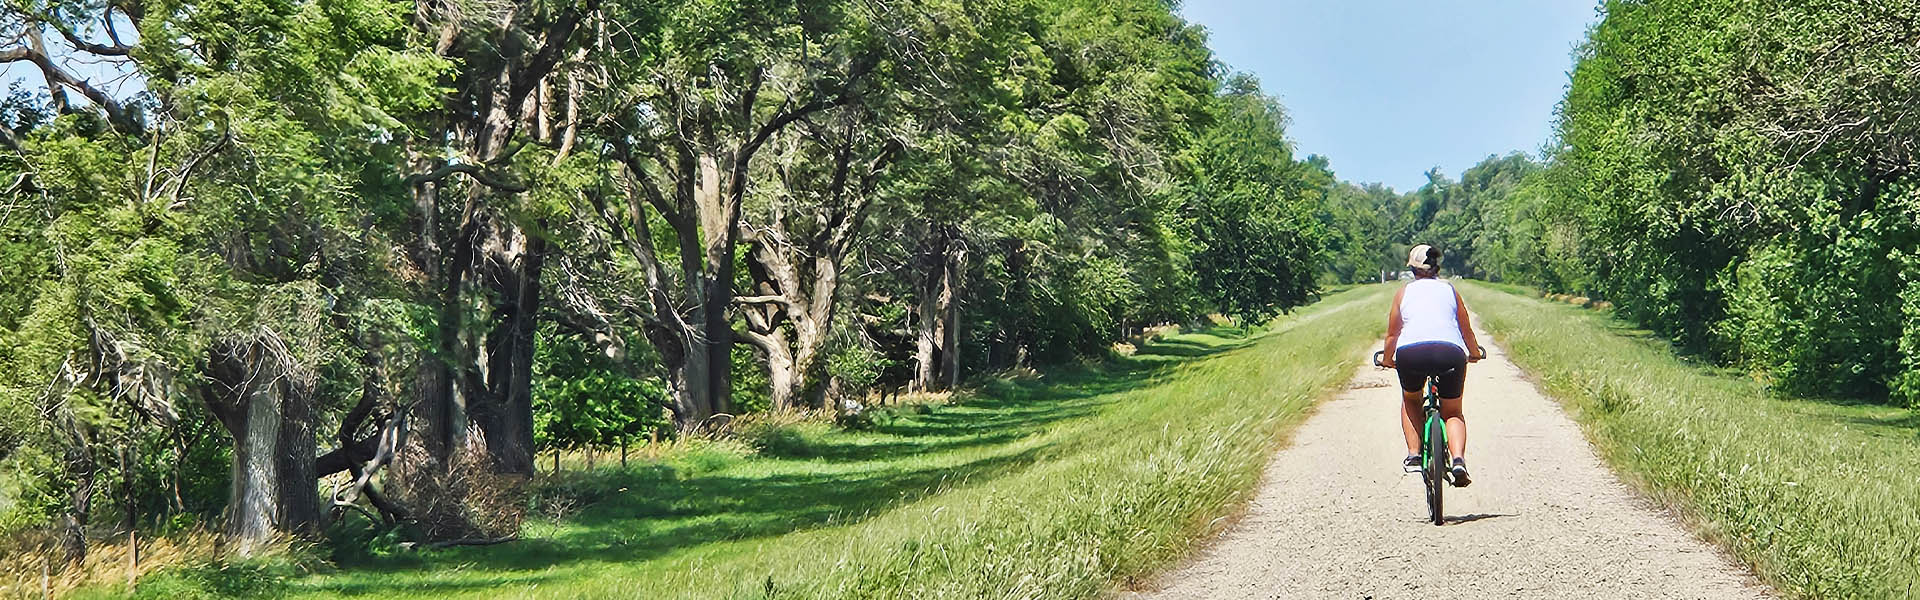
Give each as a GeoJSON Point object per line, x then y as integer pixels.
{"type": "Point", "coordinates": [294, 451]}
{"type": "Point", "coordinates": [926, 341]}
{"type": "Point", "coordinates": [505, 412]}
{"type": "Point", "coordinates": [812, 326]}
{"type": "Point", "coordinates": [73, 526]}
{"type": "Point", "coordinates": [719, 210]}
{"type": "Point", "coordinates": [937, 339]}
{"type": "Point", "coordinates": [686, 370]}
{"type": "Point", "coordinates": [719, 348]}
{"type": "Point", "coordinates": [433, 380]}
{"type": "Point", "coordinates": [254, 483]}
{"type": "Point", "coordinates": [781, 374]}
{"type": "Point", "coordinates": [804, 302]}
{"type": "Point", "coordinates": [443, 406]}
{"type": "Point", "coordinates": [956, 257]}
{"type": "Point", "coordinates": [927, 335]}
{"type": "Point", "coordinates": [269, 413]}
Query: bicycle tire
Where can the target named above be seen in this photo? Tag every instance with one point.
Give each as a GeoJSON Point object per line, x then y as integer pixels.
{"type": "Point", "coordinates": [1436, 467]}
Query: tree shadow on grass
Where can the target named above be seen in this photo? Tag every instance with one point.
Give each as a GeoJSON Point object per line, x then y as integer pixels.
{"type": "Point", "coordinates": [1207, 342]}
{"type": "Point", "coordinates": [667, 511]}
{"type": "Point", "coordinates": [1900, 423]}
{"type": "Point", "coordinates": [651, 510]}
{"type": "Point", "coordinates": [1181, 349]}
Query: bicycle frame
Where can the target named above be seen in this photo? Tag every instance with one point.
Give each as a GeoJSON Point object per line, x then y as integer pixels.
{"type": "Point", "coordinates": [1433, 423]}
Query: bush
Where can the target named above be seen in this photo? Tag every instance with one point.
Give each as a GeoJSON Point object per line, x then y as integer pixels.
{"type": "Point", "coordinates": [1817, 313]}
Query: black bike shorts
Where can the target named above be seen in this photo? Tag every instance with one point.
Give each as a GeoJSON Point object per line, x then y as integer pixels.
{"type": "Point", "coordinates": [1417, 362]}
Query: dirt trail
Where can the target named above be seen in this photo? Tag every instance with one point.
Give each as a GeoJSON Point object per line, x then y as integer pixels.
{"type": "Point", "coordinates": [1335, 518]}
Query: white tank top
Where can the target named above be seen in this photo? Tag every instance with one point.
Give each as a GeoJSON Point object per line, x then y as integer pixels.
{"type": "Point", "coordinates": [1429, 313]}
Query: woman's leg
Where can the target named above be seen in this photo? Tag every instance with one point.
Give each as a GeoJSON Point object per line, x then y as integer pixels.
{"type": "Point", "coordinates": [1451, 410]}
{"type": "Point", "coordinates": [1411, 411]}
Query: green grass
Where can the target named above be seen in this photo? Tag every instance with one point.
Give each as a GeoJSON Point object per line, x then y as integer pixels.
{"type": "Point", "coordinates": [1821, 497]}
{"type": "Point", "coordinates": [1056, 487]}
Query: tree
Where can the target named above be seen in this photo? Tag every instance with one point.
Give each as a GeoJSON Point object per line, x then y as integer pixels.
{"type": "Point", "coordinates": [190, 224]}
{"type": "Point", "coordinates": [684, 130]}
{"type": "Point", "coordinates": [1253, 209]}
{"type": "Point", "coordinates": [1750, 189]}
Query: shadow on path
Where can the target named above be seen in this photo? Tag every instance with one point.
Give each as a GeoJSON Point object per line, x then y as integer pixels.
{"type": "Point", "coordinates": [1475, 517]}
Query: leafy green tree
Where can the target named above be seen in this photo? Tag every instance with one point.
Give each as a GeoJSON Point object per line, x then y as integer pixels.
{"type": "Point", "coordinates": [199, 233]}
{"type": "Point", "coordinates": [1258, 245]}
{"type": "Point", "coordinates": [1743, 176]}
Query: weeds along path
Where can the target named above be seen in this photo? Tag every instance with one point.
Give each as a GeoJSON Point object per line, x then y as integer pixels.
{"type": "Point", "coordinates": [1335, 518]}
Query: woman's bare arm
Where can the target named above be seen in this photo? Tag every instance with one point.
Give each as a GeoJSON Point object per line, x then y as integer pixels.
{"type": "Point", "coordinates": [1393, 328]}
{"type": "Point", "coordinates": [1466, 328]}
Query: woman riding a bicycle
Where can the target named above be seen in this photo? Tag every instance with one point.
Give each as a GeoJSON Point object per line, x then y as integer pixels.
{"type": "Point", "coordinates": [1428, 336]}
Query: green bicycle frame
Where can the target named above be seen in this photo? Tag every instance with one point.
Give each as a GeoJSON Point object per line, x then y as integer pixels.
{"type": "Point", "coordinates": [1434, 425]}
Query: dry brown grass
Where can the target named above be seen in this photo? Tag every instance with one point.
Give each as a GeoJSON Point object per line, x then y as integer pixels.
{"type": "Point", "coordinates": [30, 569]}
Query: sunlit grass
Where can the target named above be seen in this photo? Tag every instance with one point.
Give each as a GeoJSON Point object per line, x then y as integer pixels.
{"type": "Point", "coordinates": [1054, 487]}
{"type": "Point", "coordinates": [1822, 497]}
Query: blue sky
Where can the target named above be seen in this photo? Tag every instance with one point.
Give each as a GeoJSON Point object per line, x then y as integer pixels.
{"type": "Point", "coordinates": [1386, 89]}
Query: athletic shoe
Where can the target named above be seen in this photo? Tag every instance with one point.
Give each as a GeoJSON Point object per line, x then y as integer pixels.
{"type": "Point", "coordinates": [1460, 478]}
{"type": "Point", "coordinates": [1411, 464]}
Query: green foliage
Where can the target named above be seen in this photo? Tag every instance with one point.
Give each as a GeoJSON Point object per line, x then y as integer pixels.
{"type": "Point", "coordinates": [220, 207]}
{"type": "Point", "coordinates": [583, 398]}
{"type": "Point", "coordinates": [1735, 174]}
{"type": "Point", "coordinates": [257, 578]}
{"type": "Point", "coordinates": [1258, 245]}
{"type": "Point", "coordinates": [858, 368]}
{"type": "Point", "coordinates": [1816, 496]}
{"type": "Point", "coordinates": [27, 492]}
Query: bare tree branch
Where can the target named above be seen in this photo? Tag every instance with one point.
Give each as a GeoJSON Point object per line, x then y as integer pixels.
{"type": "Point", "coordinates": [57, 77]}
{"type": "Point", "coordinates": [769, 299]}
{"type": "Point", "coordinates": [79, 43]}
{"type": "Point", "coordinates": [476, 172]}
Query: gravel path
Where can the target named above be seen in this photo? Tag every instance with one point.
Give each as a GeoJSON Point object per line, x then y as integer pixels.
{"type": "Point", "coordinates": [1335, 518]}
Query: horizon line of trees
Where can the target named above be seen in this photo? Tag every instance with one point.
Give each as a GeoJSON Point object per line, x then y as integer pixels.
{"type": "Point", "coordinates": [407, 244]}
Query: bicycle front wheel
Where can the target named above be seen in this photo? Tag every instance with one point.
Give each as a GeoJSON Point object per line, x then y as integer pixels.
{"type": "Point", "coordinates": [1436, 468]}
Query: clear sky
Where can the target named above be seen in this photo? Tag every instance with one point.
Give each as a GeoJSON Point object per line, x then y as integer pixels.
{"type": "Point", "coordinates": [1386, 89]}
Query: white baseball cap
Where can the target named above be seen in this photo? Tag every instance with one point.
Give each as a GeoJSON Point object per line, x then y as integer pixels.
{"type": "Point", "coordinates": [1421, 257]}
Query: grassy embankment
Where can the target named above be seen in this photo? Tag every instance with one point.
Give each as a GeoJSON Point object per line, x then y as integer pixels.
{"type": "Point", "coordinates": [1822, 497]}
{"type": "Point", "coordinates": [1054, 488]}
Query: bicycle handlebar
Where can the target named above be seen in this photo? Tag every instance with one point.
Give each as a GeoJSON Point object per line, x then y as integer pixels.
{"type": "Point", "coordinates": [1378, 354]}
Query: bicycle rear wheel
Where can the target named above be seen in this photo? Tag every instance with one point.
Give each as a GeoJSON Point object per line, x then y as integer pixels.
{"type": "Point", "coordinates": [1436, 467]}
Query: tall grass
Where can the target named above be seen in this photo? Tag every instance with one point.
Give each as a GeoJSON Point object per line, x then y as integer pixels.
{"type": "Point", "coordinates": [1056, 488]}
{"type": "Point", "coordinates": [1821, 497]}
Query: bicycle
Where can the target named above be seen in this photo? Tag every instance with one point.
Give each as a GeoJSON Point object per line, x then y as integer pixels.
{"type": "Point", "coordinates": [1435, 460]}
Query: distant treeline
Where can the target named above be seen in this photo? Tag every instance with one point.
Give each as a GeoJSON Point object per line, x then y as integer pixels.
{"type": "Point", "coordinates": [1738, 176]}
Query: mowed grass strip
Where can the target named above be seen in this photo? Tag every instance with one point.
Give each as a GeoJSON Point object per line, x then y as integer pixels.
{"type": "Point", "coordinates": [1057, 488]}
{"type": "Point", "coordinates": [1821, 497]}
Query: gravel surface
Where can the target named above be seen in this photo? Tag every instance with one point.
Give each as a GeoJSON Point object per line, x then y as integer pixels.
{"type": "Point", "coordinates": [1335, 518]}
